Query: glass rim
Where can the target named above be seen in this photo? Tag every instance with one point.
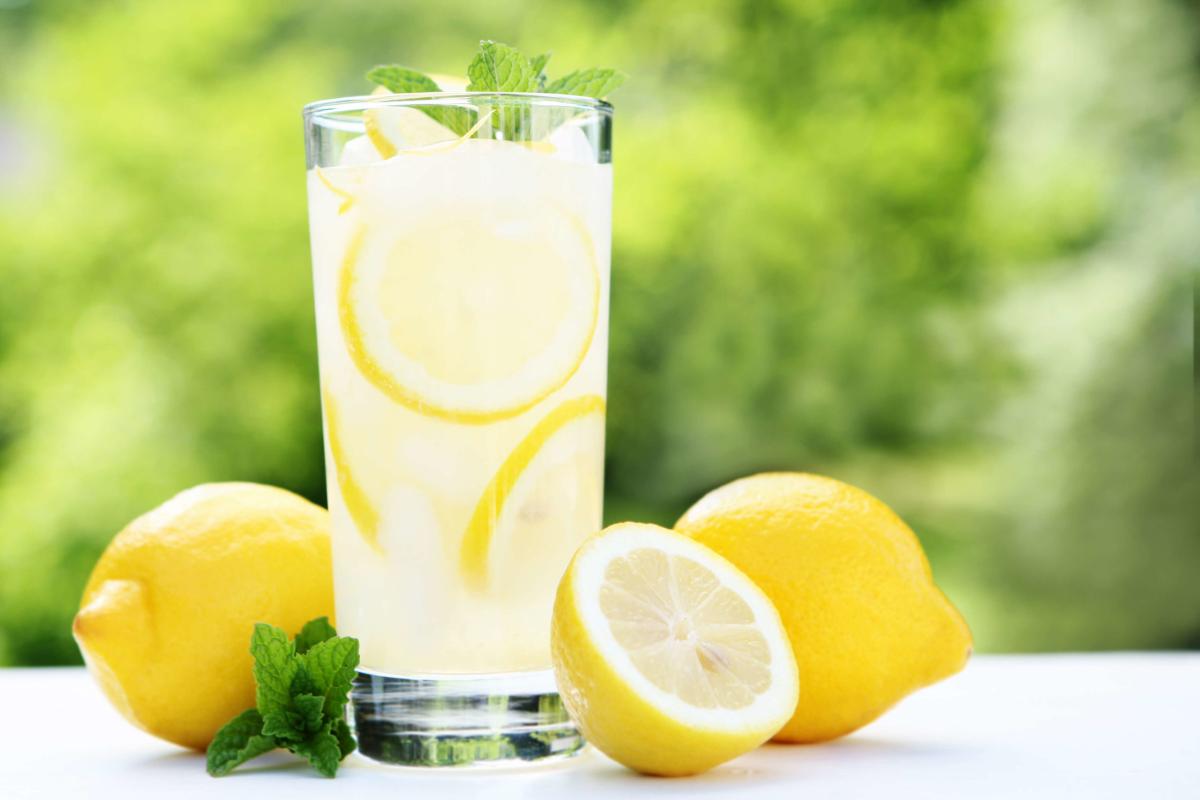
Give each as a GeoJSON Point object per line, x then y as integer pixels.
{"type": "Point", "coordinates": [363, 102]}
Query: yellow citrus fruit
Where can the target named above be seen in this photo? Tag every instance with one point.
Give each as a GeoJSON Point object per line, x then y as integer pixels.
{"type": "Point", "coordinates": [166, 618]}
{"type": "Point", "coordinates": [866, 622]}
{"type": "Point", "coordinates": [669, 659]}
{"type": "Point", "coordinates": [537, 498]}
{"type": "Point", "coordinates": [471, 315]}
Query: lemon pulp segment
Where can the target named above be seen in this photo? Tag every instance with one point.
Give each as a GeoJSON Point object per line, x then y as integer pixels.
{"type": "Point", "coordinates": [683, 630]}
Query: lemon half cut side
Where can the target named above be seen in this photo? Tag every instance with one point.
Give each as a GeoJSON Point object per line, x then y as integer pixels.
{"type": "Point", "coordinates": [471, 315]}
{"type": "Point", "coordinates": [667, 656]}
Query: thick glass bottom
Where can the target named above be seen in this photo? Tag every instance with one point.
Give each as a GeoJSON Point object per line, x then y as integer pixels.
{"type": "Point", "coordinates": [458, 720]}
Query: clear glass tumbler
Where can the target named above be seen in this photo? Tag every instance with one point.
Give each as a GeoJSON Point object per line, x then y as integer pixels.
{"type": "Point", "coordinates": [460, 250]}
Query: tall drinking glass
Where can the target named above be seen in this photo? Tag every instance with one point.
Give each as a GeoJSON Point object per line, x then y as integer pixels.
{"type": "Point", "coordinates": [460, 249]}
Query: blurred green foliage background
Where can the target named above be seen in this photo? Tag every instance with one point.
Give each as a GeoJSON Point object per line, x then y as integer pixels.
{"type": "Point", "coordinates": [945, 250]}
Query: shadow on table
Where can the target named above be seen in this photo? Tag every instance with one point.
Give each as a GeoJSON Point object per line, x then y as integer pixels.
{"type": "Point", "coordinates": [607, 777]}
{"type": "Point", "coordinates": [278, 762]}
{"type": "Point", "coordinates": [770, 764]}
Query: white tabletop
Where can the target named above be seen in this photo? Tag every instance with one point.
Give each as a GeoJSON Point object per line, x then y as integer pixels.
{"type": "Point", "coordinates": [1116, 725]}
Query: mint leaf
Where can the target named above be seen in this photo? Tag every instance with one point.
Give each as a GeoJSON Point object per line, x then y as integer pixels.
{"type": "Point", "coordinates": [275, 666]}
{"type": "Point", "coordinates": [401, 80]}
{"type": "Point", "coordinates": [302, 682]}
{"type": "Point", "coordinates": [331, 666]}
{"type": "Point", "coordinates": [304, 712]}
{"type": "Point", "coordinates": [594, 82]}
{"type": "Point", "coordinates": [500, 68]}
{"type": "Point", "coordinates": [302, 688]}
{"type": "Point", "coordinates": [341, 729]}
{"type": "Point", "coordinates": [278, 725]}
{"type": "Point", "coordinates": [240, 740]}
{"type": "Point", "coordinates": [308, 714]}
{"type": "Point", "coordinates": [317, 630]}
{"type": "Point", "coordinates": [322, 751]}
{"type": "Point", "coordinates": [396, 78]}
{"type": "Point", "coordinates": [304, 715]}
{"type": "Point", "coordinates": [538, 65]}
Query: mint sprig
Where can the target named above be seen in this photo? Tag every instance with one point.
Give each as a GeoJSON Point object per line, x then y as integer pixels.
{"type": "Point", "coordinates": [302, 687]}
{"type": "Point", "coordinates": [498, 67]}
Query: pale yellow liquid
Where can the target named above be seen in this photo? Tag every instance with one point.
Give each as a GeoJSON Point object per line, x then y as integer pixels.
{"type": "Point", "coordinates": [463, 285]}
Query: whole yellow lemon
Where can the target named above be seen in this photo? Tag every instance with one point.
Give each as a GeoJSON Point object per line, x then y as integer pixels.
{"type": "Point", "coordinates": [165, 620]}
{"type": "Point", "coordinates": [866, 622]}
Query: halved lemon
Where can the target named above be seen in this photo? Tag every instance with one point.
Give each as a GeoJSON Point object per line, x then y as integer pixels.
{"type": "Point", "coordinates": [541, 502]}
{"type": "Point", "coordinates": [362, 511]}
{"type": "Point", "coordinates": [473, 313]}
{"type": "Point", "coordinates": [668, 657]}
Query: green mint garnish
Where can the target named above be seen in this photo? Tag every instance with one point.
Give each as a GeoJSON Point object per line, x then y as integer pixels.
{"type": "Point", "coordinates": [587, 82]}
{"type": "Point", "coordinates": [313, 633]}
{"type": "Point", "coordinates": [500, 68]}
{"type": "Point", "coordinates": [538, 65]}
{"type": "Point", "coordinates": [274, 668]}
{"type": "Point", "coordinates": [330, 665]}
{"type": "Point", "coordinates": [396, 78]}
{"type": "Point", "coordinates": [302, 689]}
{"type": "Point", "coordinates": [497, 67]}
{"type": "Point", "coordinates": [403, 80]}
{"type": "Point", "coordinates": [239, 741]}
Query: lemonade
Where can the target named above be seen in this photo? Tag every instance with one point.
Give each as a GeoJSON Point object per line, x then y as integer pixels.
{"type": "Point", "coordinates": [461, 285]}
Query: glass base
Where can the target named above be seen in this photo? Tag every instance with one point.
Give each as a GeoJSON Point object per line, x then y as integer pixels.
{"type": "Point", "coordinates": [458, 720]}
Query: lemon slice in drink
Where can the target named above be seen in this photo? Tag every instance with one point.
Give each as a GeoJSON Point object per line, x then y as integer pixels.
{"type": "Point", "coordinates": [392, 129]}
{"type": "Point", "coordinates": [543, 499]}
{"type": "Point", "coordinates": [471, 314]}
{"type": "Point", "coordinates": [668, 657]}
{"type": "Point", "coordinates": [358, 504]}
